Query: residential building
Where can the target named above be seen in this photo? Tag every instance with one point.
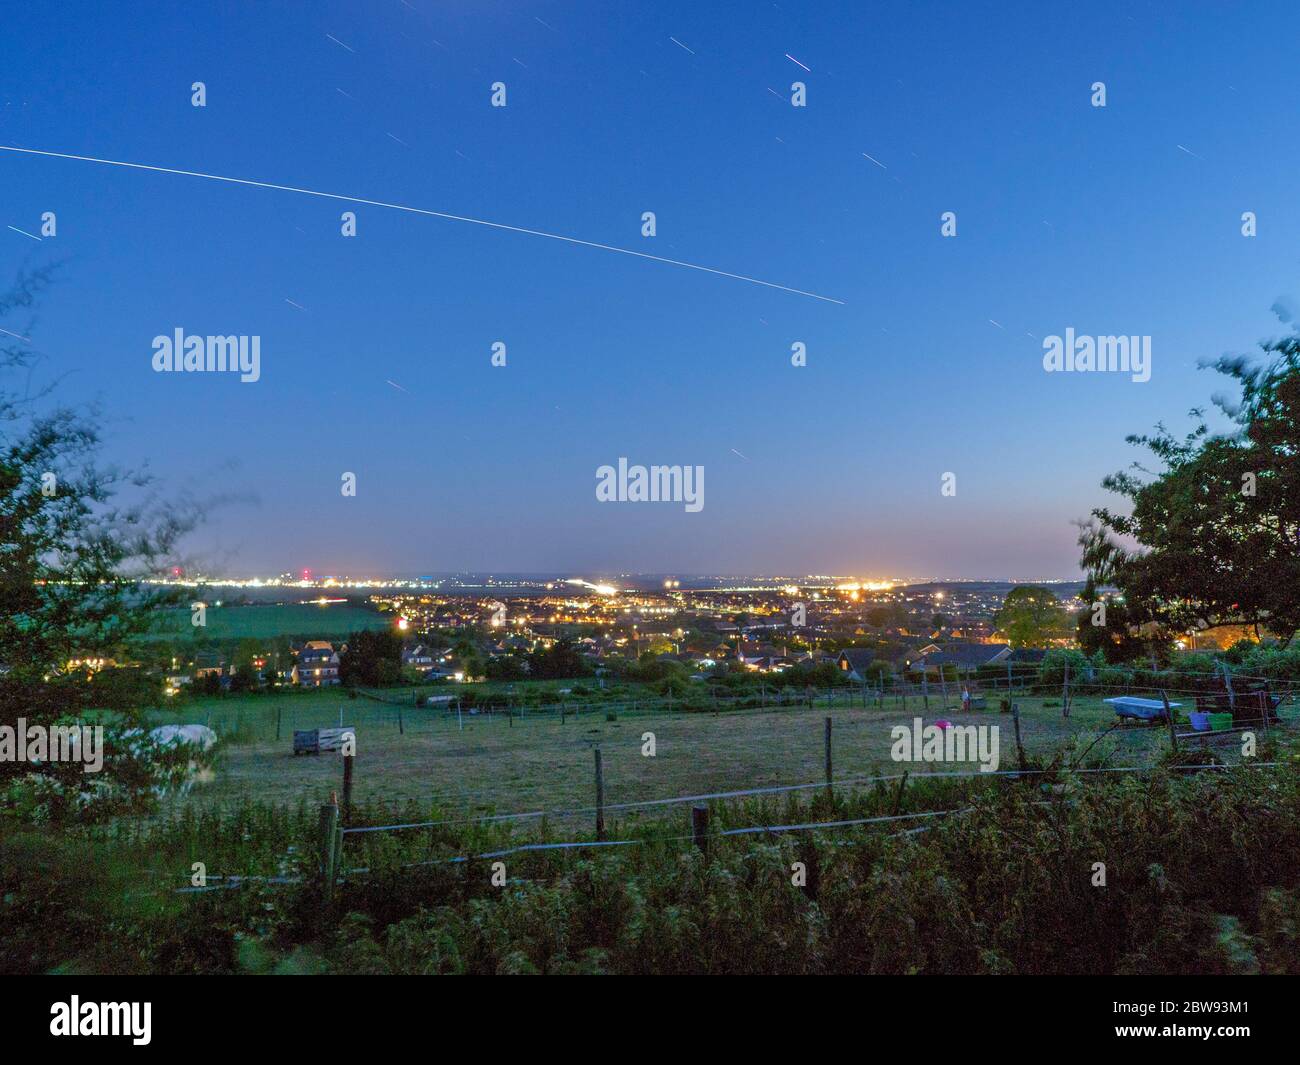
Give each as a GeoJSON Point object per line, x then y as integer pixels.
{"type": "Point", "coordinates": [318, 665]}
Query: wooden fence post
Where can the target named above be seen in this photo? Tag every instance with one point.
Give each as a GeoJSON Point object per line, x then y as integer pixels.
{"type": "Point", "coordinates": [329, 825]}
{"type": "Point", "coordinates": [1232, 695]}
{"type": "Point", "coordinates": [1065, 691]}
{"type": "Point", "coordinates": [401, 728]}
{"type": "Point", "coordinates": [898, 795]}
{"type": "Point", "coordinates": [1169, 719]}
{"type": "Point", "coordinates": [1020, 750]}
{"type": "Point", "coordinates": [348, 759]}
{"type": "Point", "coordinates": [700, 827]}
{"type": "Point", "coordinates": [600, 798]}
{"type": "Point", "coordinates": [829, 787]}
{"type": "Point", "coordinates": [278, 711]}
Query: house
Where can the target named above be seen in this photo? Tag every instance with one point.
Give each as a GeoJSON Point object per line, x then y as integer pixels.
{"type": "Point", "coordinates": [208, 664]}
{"type": "Point", "coordinates": [853, 662]}
{"type": "Point", "coordinates": [767, 663]}
{"type": "Point", "coordinates": [418, 657]}
{"type": "Point", "coordinates": [964, 657]}
{"type": "Point", "coordinates": [1027, 656]}
{"type": "Point", "coordinates": [318, 665]}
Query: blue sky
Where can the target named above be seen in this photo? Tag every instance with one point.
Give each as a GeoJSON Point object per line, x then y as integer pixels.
{"type": "Point", "coordinates": [1069, 216]}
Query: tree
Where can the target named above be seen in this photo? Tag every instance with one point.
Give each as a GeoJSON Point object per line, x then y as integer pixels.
{"type": "Point", "coordinates": [1213, 536]}
{"type": "Point", "coordinates": [76, 538]}
{"type": "Point", "coordinates": [373, 659]}
{"type": "Point", "coordinates": [244, 675]}
{"type": "Point", "coordinates": [1031, 616]}
{"type": "Point", "coordinates": [1104, 626]}
{"type": "Point", "coordinates": [882, 617]}
{"type": "Point", "coordinates": [560, 660]}
{"type": "Point", "coordinates": [878, 671]}
{"type": "Point", "coordinates": [506, 667]}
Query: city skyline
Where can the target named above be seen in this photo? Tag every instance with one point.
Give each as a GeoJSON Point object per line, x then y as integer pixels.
{"type": "Point", "coordinates": [311, 578]}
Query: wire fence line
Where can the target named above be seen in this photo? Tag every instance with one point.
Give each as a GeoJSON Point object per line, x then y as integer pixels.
{"type": "Point", "coordinates": [900, 696]}
{"type": "Point", "coordinates": [405, 714]}
{"type": "Point", "coordinates": [581, 810]}
{"type": "Point", "coordinates": [232, 881]}
{"type": "Point", "coordinates": [821, 784]}
{"type": "Point", "coordinates": [696, 838]}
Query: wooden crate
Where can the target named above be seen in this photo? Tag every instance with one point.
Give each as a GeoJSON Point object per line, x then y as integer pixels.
{"type": "Point", "coordinates": [315, 740]}
{"type": "Point", "coordinates": [331, 739]}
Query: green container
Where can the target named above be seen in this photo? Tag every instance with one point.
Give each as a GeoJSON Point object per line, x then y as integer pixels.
{"type": "Point", "coordinates": [1220, 721]}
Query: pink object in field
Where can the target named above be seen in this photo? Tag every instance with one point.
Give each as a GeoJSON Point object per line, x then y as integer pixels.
{"type": "Point", "coordinates": [943, 724]}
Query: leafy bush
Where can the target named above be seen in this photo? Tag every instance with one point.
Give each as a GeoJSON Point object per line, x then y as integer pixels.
{"type": "Point", "coordinates": [1199, 875]}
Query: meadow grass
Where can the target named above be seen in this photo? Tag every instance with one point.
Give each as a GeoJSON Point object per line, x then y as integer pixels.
{"type": "Point", "coordinates": [296, 620]}
{"type": "Point", "coordinates": [481, 763]}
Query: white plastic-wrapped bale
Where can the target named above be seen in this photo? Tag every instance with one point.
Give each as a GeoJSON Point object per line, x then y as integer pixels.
{"type": "Point", "coordinates": [199, 735]}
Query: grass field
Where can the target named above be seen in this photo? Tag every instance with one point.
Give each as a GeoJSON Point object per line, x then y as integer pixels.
{"type": "Point", "coordinates": [989, 874]}
{"type": "Point", "coordinates": [333, 621]}
{"type": "Point", "coordinates": [483, 763]}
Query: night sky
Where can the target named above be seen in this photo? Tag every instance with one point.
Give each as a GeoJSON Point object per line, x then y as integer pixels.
{"type": "Point", "coordinates": [375, 350]}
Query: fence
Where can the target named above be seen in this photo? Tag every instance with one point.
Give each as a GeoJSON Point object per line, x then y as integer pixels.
{"type": "Point", "coordinates": [335, 828]}
{"type": "Point", "coordinates": [909, 699]}
{"type": "Point", "coordinates": [402, 709]}
{"type": "Point", "coordinates": [333, 835]}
